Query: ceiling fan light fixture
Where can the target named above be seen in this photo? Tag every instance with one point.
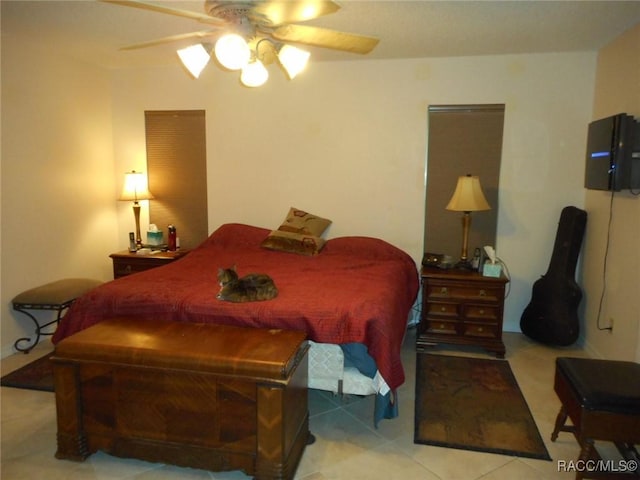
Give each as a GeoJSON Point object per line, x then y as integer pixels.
{"type": "Point", "coordinates": [293, 60]}
{"type": "Point", "coordinates": [254, 74]}
{"type": "Point", "coordinates": [194, 58]}
{"type": "Point", "coordinates": [232, 51]}
{"type": "Point", "coordinates": [247, 23]}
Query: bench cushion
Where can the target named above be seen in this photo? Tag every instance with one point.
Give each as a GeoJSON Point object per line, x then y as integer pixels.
{"type": "Point", "coordinates": [56, 293]}
{"type": "Point", "coordinates": [607, 385]}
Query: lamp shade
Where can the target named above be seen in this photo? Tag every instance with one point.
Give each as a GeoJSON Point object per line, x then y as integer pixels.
{"type": "Point", "coordinates": [194, 58]}
{"type": "Point", "coordinates": [293, 60]}
{"type": "Point", "coordinates": [468, 196]}
{"type": "Point", "coordinates": [254, 74]}
{"type": "Point", "coordinates": [135, 187]}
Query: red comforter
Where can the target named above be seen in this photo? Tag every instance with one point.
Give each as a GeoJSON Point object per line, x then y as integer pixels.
{"type": "Point", "coordinates": [358, 289]}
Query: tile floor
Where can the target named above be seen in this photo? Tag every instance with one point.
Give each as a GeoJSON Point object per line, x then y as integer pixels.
{"type": "Point", "coordinates": [347, 446]}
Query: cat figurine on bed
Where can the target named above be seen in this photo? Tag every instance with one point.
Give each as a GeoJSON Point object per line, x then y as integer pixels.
{"type": "Point", "coordinates": [250, 288]}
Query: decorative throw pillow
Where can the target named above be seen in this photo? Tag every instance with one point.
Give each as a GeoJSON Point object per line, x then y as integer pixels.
{"type": "Point", "coordinates": [293, 243]}
{"type": "Point", "coordinates": [299, 221]}
{"type": "Point", "coordinates": [299, 233]}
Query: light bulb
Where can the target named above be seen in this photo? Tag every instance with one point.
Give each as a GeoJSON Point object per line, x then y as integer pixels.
{"type": "Point", "coordinates": [232, 51]}
{"type": "Point", "coordinates": [254, 74]}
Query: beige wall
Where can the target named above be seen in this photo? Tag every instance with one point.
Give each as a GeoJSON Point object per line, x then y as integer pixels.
{"type": "Point", "coordinates": [58, 207]}
{"type": "Point", "coordinates": [617, 90]}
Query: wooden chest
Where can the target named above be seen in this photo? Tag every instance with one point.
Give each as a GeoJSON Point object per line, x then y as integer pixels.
{"type": "Point", "coordinates": [202, 396]}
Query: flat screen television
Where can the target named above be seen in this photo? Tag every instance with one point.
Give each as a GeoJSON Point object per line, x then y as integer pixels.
{"type": "Point", "coordinates": [613, 154]}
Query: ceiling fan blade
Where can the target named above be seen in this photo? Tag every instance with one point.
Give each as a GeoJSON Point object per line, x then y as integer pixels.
{"type": "Point", "coordinates": [172, 38]}
{"type": "Point", "coordinates": [324, 37]}
{"type": "Point", "coordinates": [201, 17]}
{"type": "Point", "coordinates": [280, 12]}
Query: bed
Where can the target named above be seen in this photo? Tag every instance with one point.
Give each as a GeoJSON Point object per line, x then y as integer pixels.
{"type": "Point", "coordinates": [352, 299]}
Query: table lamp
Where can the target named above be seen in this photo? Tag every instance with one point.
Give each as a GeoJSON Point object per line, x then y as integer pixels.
{"type": "Point", "coordinates": [467, 198]}
{"type": "Point", "coordinates": [135, 188]}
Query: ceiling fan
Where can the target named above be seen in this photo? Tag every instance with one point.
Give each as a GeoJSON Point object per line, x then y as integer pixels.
{"type": "Point", "coordinates": [251, 33]}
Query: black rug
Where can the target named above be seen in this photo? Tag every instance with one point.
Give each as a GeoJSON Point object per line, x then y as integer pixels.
{"type": "Point", "coordinates": [473, 404]}
{"type": "Point", "coordinates": [37, 375]}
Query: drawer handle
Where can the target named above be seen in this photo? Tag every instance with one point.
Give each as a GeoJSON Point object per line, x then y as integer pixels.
{"type": "Point", "coordinates": [482, 311]}
{"type": "Point", "coordinates": [443, 309]}
{"type": "Point", "coordinates": [480, 329]}
{"type": "Point", "coordinates": [128, 269]}
{"type": "Point", "coordinates": [442, 326]}
{"type": "Point", "coordinates": [483, 293]}
{"type": "Point", "coordinates": [444, 291]}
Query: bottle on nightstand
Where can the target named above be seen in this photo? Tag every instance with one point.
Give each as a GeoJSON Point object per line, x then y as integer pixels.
{"type": "Point", "coordinates": [172, 238]}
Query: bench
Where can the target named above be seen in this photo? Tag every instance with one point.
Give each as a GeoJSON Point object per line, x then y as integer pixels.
{"type": "Point", "coordinates": [203, 396]}
{"type": "Point", "coordinates": [602, 400]}
{"type": "Point", "coordinates": [56, 296]}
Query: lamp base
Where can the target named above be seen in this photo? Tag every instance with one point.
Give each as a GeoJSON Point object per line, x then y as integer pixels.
{"type": "Point", "coordinates": [463, 264]}
{"type": "Point", "coordinates": [136, 214]}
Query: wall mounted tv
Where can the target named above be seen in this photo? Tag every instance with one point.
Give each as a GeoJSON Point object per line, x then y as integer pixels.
{"type": "Point", "coordinates": [613, 154]}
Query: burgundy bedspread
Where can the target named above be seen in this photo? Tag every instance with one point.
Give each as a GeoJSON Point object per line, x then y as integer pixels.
{"type": "Point", "coordinates": [358, 289]}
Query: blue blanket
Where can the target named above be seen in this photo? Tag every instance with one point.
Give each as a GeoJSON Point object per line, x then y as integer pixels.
{"type": "Point", "coordinates": [356, 355]}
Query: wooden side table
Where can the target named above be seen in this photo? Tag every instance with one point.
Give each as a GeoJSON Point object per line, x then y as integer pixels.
{"type": "Point", "coordinates": [462, 308]}
{"type": "Point", "coordinates": [125, 262]}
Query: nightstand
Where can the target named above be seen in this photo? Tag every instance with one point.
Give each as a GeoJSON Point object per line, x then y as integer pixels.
{"type": "Point", "coordinates": [462, 308]}
{"type": "Point", "coordinates": [125, 263]}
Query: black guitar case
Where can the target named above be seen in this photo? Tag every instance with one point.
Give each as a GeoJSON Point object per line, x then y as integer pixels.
{"type": "Point", "coordinates": [552, 314]}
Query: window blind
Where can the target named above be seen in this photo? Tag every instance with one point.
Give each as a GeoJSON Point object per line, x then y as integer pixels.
{"type": "Point", "coordinates": [177, 171]}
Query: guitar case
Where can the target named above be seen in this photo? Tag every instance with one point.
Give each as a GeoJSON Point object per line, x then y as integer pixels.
{"type": "Point", "coordinates": [552, 314]}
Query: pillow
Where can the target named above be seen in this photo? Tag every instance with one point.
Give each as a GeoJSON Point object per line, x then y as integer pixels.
{"type": "Point", "coordinates": [293, 243]}
{"type": "Point", "coordinates": [299, 221]}
{"type": "Point", "coordinates": [299, 233]}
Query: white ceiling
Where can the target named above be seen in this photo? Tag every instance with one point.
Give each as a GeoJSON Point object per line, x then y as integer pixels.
{"type": "Point", "coordinates": [95, 31]}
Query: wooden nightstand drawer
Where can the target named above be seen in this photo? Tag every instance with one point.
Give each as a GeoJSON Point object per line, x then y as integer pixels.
{"type": "Point", "coordinates": [480, 330]}
{"type": "Point", "coordinates": [464, 292]}
{"type": "Point", "coordinates": [485, 313]}
{"type": "Point", "coordinates": [126, 263]}
{"type": "Point", "coordinates": [438, 326]}
{"type": "Point", "coordinates": [441, 309]}
{"type": "Point", "coordinates": [122, 268]}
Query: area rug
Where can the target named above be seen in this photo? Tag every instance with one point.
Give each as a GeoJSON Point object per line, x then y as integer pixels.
{"type": "Point", "coordinates": [37, 375]}
{"type": "Point", "coordinates": [473, 404]}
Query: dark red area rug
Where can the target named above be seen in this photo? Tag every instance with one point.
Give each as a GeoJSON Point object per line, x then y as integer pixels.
{"type": "Point", "coordinates": [37, 375]}
{"type": "Point", "coordinates": [473, 404]}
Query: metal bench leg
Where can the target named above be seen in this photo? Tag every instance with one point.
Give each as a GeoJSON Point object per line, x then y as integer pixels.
{"type": "Point", "coordinates": [38, 329]}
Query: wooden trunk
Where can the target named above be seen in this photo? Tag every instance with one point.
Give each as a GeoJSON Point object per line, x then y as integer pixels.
{"type": "Point", "coordinates": [202, 396]}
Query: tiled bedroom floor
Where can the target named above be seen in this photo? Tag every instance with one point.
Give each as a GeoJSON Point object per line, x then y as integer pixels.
{"type": "Point", "coordinates": [347, 445]}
